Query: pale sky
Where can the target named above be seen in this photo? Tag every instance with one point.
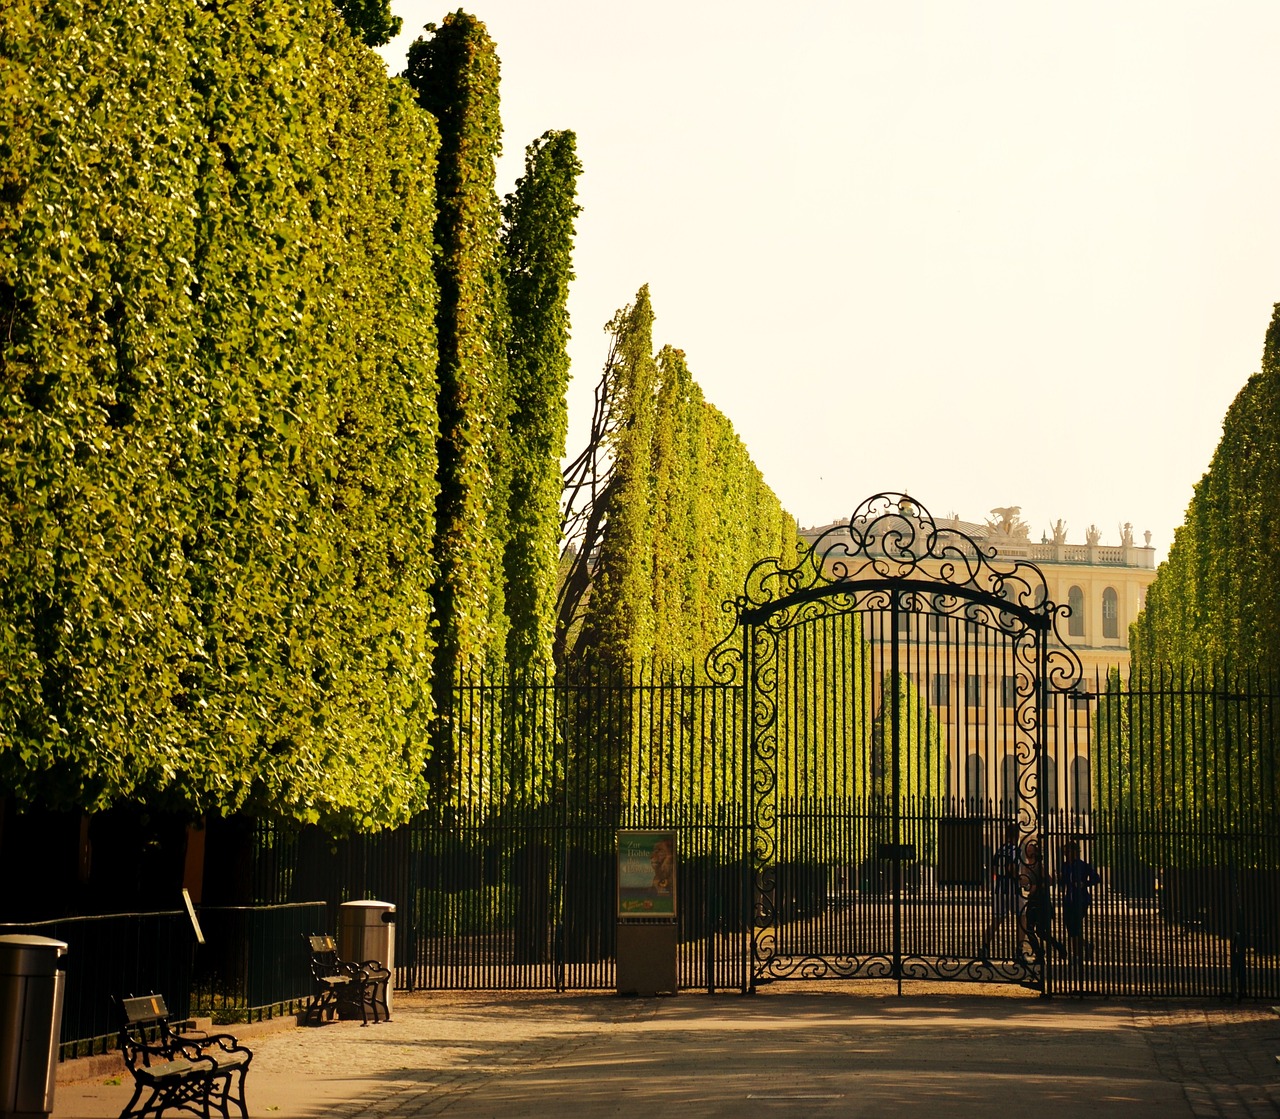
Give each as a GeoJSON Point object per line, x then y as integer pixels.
{"type": "Point", "coordinates": [992, 253]}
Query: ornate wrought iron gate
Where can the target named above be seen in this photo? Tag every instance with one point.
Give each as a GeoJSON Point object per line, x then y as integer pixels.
{"type": "Point", "coordinates": [897, 683]}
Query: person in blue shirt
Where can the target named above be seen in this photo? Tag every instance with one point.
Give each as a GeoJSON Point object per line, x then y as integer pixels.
{"type": "Point", "coordinates": [1076, 878]}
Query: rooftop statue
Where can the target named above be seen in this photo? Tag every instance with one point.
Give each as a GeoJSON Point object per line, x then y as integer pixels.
{"type": "Point", "coordinates": [1008, 523]}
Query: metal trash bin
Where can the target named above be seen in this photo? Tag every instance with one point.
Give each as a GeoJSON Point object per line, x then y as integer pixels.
{"type": "Point", "coordinates": [367, 931]}
{"type": "Point", "coordinates": [32, 986]}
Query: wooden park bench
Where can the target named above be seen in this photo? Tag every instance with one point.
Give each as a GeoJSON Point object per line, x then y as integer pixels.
{"type": "Point", "coordinates": [352, 989]}
{"type": "Point", "coordinates": [178, 1072]}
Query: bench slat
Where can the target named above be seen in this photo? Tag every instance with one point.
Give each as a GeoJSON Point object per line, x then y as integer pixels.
{"type": "Point", "coordinates": [144, 1009]}
{"type": "Point", "coordinates": [171, 1070]}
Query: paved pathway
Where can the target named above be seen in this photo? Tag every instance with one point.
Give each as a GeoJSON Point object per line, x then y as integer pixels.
{"type": "Point", "coordinates": [789, 1051]}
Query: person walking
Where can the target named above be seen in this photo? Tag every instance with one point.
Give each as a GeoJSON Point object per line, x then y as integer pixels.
{"type": "Point", "coordinates": [1005, 873]}
{"type": "Point", "coordinates": [1037, 906]}
{"type": "Point", "coordinates": [1076, 878]}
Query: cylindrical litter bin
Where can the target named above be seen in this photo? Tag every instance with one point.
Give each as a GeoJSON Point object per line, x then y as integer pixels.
{"type": "Point", "coordinates": [32, 984]}
{"type": "Point", "coordinates": [367, 931]}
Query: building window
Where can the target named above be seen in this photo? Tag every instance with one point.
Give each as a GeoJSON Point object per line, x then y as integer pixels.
{"type": "Point", "coordinates": [941, 691]}
{"type": "Point", "coordinates": [1110, 613]}
{"type": "Point", "coordinates": [937, 623]}
{"type": "Point", "coordinates": [973, 690]}
{"type": "Point", "coordinates": [1081, 789]}
{"type": "Point", "coordinates": [904, 622]}
{"type": "Point", "coordinates": [1051, 783]}
{"type": "Point", "coordinates": [1009, 691]}
{"type": "Point", "coordinates": [1075, 623]}
{"type": "Point", "coordinates": [975, 779]}
{"type": "Point", "coordinates": [1009, 784]}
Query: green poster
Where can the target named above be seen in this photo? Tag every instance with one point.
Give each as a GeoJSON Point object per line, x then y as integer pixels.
{"type": "Point", "coordinates": [646, 874]}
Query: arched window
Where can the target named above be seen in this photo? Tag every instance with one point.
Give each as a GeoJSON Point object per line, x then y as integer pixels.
{"type": "Point", "coordinates": [1009, 784]}
{"type": "Point", "coordinates": [1050, 784]}
{"type": "Point", "coordinates": [1081, 790]}
{"type": "Point", "coordinates": [976, 780]}
{"type": "Point", "coordinates": [1075, 623]}
{"type": "Point", "coordinates": [1110, 613]}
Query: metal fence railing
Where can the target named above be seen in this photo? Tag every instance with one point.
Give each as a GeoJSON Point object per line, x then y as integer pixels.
{"type": "Point", "coordinates": [1169, 785]}
{"type": "Point", "coordinates": [117, 954]}
{"type": "Point", "coordinates": [253, 964]}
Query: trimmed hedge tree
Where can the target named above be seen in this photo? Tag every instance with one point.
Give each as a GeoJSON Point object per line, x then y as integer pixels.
{"type": "Point", "coordinates": [217, 425]}
{"type": "Point", "coordinates": [686, 512]}
{"type": "Point", "coordinates": [538, 241]}
{"type": "Point", "coordinates": [1213, 600]}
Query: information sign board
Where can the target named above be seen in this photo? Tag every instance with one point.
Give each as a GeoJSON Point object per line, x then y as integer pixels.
{"type": "Point", "coordinates": [647, 874]}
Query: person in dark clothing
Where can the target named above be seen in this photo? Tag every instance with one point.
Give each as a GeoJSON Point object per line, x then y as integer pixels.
{"type": "Point", "coordinates": [1005, 866]}
{"type": "Point", "coordinates": [1076, 878]}
{"type": "Point", "coordinates": [1037, 904]}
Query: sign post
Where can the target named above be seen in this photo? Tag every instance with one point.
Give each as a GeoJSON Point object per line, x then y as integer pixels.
{"type": "Point", "coordinates": [646, 911]}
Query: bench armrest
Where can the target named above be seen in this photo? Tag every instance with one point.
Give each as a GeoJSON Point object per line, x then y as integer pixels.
{"type": "Point", "coordinates": [223, 1041]}
{"type": "Point", "coordinates": [142, 1054]}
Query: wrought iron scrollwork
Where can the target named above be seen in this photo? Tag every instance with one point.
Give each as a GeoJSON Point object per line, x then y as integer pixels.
{"type": "Point", "coordinates": [890, 556]}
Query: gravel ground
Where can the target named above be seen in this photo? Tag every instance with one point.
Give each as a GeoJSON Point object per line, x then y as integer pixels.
{"type": "Point", "coordinates": [791, 1050]}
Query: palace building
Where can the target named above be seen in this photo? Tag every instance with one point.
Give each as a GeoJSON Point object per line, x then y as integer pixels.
{"type": "Point", "coordinates": [1105, 585]}
{"type": "Point", "coordinates": [971, 681]}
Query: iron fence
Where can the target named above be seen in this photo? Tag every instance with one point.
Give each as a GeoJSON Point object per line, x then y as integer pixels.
{"type": "Point", "coordinates": [252, 965]}
{"type": "Point", "coordinates": [1186, 823]}
{"type": "Point", "coordinates": [113, 955]}
{"type": "Point", "coordinates": [1169, 783]}
{"type": "Point", "coordinates": [1170, 787]}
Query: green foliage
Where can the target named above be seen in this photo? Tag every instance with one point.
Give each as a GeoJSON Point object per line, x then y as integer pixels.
{"type": "Point", "coordinates": [687, 512]}
{"type": "Point", "coordinates": [1194, 748]}
{"type": "Point", "coordinates": [678, 516]}
{"type": "Point", "coordinates": [217, 423]}
{"type": "Point", "coordinates": [826, 694]}
{"type": "Point", "coordinates": [538, 242]}
{"type": "Point", "coordinates": [920, 763]}
{"type": "Point", "coordinates": [921, 748]}
{"type": "Point", "coordinates": [617, 631]}
{"type": "Point", "coordinates": [1184, 757]}
{"type": "Point", "coordinates": [1213, 599]}
{"type": "Point", "coordinates": [453, 69]}
{"type": "Point", "coordinates": [370, 20]}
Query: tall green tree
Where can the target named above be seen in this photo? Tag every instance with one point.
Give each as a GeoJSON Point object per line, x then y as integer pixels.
{"type": "Point", "coordinates": [1195, 744]}
{"type": "Point", "coordinates": [677, 511]}
{"type": "Point", "coordinates": [917, 771]}
{"type": "Point", "coordinates": [453, 69]}
{"type": "Point", "coordinates": [617, 629]}
{"type": "Point", "coordinates": [1213, 599]}
{"type": "Point", "coordinates": [538, 241]}
{"type": "Point", "coordinates": [681, 513]}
